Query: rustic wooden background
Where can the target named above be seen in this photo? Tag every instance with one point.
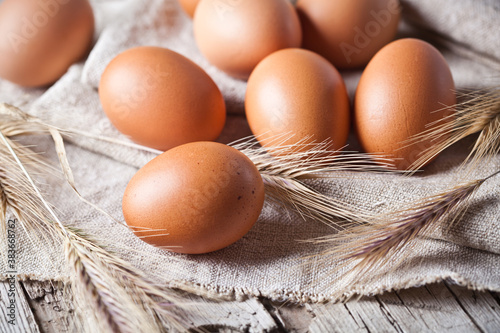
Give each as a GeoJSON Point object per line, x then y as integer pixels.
{"type": "Point", "coordinates": [443, 307]}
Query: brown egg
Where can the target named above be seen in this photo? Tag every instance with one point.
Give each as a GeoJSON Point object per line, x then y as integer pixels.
{"type": "Point", "coordinates": [347, 32]}
{"type": "Point", "coordinates": [40, 40]}
{"type": "Point", "coordinates": [404, 89]}
{"type": "Point", "coordinates": [295, 94]}
{"type": "Point", "coordinates": [196, 198]}
{"type": "Point", "coordinates": [189, 6]}
{"type": "Point", "coordinates": [236, 35]}
{"type": "Point", "coordinates": [161, 99]}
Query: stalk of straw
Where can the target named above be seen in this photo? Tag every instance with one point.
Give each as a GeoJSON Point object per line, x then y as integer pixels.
{"type": "Point", "coordinates": [284, 177]}
{"type": "Point", "coordinates": [367, 250]}
{"type": "Point", "coordinates": [480, 113]}
{"type": "Point", "coordinates": [111, 295]}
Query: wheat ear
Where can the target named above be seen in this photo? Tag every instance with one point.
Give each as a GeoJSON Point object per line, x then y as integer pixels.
{"type": "Point", "coordinates": [369, 250]}
{"type": "Point", "coordinates": [111, 295]}
{"type": "Point", "coordinates": [286, 171]}
{"type": "Point", "coordinates": [480, 113]}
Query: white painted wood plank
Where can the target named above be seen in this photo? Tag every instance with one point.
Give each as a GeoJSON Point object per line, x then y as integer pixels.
{"type": "Point", "coordinates": [481, 307]}
{"type": "Point", "coordinates": [369, 312]}
{"type": "Point", "coordinates": [19, 319]}
{"type": "Point", "coordinates": [293, 318]}
{"type": "Point", "coordinates": [52, 307]}
{"type": "Point", "coordinates": [428, 309]}
{"type": "Point", "coordinates": [38, 289]}
{"type": "Point", "coordinates": [56, 312]}
{"type": "Point", "coordinates": [247, 316]}
{"type": "Point", "coordinates": [336, 318]}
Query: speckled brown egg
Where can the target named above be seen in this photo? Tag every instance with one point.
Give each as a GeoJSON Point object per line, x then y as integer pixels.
{"type": "Point", "coordinates": [196, 198]}
{"type": "Point", "coordinates": [189, 6]}
{"type": "Point", "coordinates": [347, 32]}
{"type": "Point", "coordinates": [161, 99]}
{"type": "Point", "coordinates": [405, 89]}
{"type": "Point", "coordinates": [295, 95]}
{"type": "Point", "coordinates": [236, 35]}
{"type": "Point", "coordinates": [40, 40]}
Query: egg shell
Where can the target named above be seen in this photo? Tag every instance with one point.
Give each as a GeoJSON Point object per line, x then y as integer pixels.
{"type": "Point", "coordinates": [236, 35]}
{"type": "Point", "coordinates": [404, 89]}
{"type": "Point", "coordinates": [40, 40]}
{"type": "Point", "coordinates": [347, 32]}
{"type": "Point", "coordinates": [196, 198]}
{"type": "Point", "coordinates": [161, 99]}
{"type": "Point", "coordinates": [189, 6]}
{"type": "Point", "coordinates": [295, 95]}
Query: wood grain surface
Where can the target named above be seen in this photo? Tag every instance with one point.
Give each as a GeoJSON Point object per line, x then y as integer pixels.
{"type": "Point", "coordinates": [45, 307]}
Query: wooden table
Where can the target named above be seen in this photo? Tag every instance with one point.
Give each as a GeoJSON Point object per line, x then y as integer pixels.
{"type": "Point", "coordinates": [43, 307]}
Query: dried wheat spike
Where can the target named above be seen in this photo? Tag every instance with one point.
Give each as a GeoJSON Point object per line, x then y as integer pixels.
{"type": "Point", "coordinates": [480, 113]}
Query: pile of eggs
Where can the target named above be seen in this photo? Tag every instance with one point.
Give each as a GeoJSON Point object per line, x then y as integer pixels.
{"type": "Point", "coordinates": [291, 57]}
{"type": "Point", "coordinates": [200, 196]}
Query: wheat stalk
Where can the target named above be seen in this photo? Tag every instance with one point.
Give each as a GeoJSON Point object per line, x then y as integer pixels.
{"type": "Point", "coordinates": [369, 250]}
{"type": "Point", "coordinates": [111, 295]}
{"type": "Point", "coordinates": [115, 289]}
{"type": "Point", "coordinates": [480, 113]}
{"type": "Point", "coordinates": [285, 171]}
{"type": "Point", "coordinates": [16, 200]}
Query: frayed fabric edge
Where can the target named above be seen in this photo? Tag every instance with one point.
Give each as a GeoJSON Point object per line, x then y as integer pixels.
{"type": "Point", "coordinates": [297, 297]}
{"type": "Point", "coordinates": [33, 277]}
{"type": "Point", "coordinates": [240, 293]}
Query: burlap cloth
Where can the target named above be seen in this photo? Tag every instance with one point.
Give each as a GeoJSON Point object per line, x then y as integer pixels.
{"type": "Point", "coordinates": [269, 260]}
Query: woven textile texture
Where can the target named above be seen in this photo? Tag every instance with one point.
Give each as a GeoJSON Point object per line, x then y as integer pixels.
{"type": "Point", "coordinates": [269, 260]}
